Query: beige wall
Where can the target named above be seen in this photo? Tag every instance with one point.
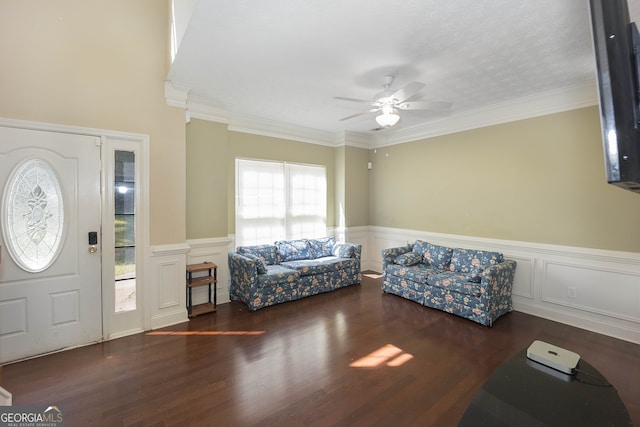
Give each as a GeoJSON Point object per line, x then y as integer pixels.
{"type": "Point", "coordinates": [356, 187]}
{"type": "Point", "coordinates": [99, 64]}
{"type": "Point", "coordinates": [536, 180]}
{"type": "Point", "coordinates": [207, 161]}
{"type": "Point", "coordinates": [340, 194]}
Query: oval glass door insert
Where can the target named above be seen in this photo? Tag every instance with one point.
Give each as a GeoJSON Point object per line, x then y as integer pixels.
{"type": "Point", "coordinates": [33, 217]}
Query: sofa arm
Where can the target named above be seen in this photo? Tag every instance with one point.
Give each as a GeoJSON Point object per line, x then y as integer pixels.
{"type": "Point", "coordinates": [244, 276]}
{"type": "Point", "coordinates": [347, 250]}
{"type": "Point", "coordinates": [497, 282]}
{"type": "Point", "coordinates": [388, 255]}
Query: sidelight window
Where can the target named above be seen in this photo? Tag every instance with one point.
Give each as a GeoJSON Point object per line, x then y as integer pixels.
{"type": "Point", "coordinates": [125, 232]}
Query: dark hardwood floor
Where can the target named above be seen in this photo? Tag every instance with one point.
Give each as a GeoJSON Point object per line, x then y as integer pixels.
{"type": "Point", "coordinates": [304, 363]}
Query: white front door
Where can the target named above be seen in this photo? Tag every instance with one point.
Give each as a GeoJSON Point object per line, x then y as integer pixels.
{"type": "Point", "coordinates": [50, 258]}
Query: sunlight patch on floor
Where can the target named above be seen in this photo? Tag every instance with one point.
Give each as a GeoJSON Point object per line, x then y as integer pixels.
{"type": "Point", "coordinates": [373, 275]}
{"type": "Point", "coordinates": [389, 355]}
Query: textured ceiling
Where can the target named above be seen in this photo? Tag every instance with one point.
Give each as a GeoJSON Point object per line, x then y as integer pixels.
{"type": "Point", "coordinates": [283, 61]}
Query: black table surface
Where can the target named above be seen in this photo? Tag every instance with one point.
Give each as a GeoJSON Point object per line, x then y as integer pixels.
{"type": "Point", "coordinates": [522, 392]}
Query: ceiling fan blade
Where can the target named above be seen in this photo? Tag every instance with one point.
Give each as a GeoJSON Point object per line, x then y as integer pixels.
{"type": "Point", "coordinates": [373, 110]}
{"type": "Point", "coordinates": [353, 116]}
{"type": "Point", "coordinates": [352, 99]}
{"type": "Point", "coordinates": [425, 105]}
{"type": "Point", "coordinates": [407, 91]}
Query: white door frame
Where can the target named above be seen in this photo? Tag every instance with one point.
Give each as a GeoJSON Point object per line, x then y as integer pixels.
{"type": "Point", "coordinates": [114, 325]}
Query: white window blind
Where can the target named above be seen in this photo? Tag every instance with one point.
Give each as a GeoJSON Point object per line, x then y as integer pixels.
{"type": "Point", "coordinates": [278, 201]}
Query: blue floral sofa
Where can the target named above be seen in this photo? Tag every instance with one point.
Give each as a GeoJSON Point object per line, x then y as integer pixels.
{"type": "Point", "coordinates": [469, 283]}
{"type": "Point", "coordinates": [265, 275]}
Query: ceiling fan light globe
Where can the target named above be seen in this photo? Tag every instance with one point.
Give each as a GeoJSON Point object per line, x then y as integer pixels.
{"type": "Point", "coordinates": [387, 120]}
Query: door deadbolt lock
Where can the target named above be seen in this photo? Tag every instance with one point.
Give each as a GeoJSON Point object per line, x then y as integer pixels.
{"type": "Point", "coordinates": [93, 237]}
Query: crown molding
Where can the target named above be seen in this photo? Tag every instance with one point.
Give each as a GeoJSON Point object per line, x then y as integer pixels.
{"type": "Point", "coordinates": [555, 101]}
{"type": "Point", "coordinates": [176, 94]}
{"type": "Point", "coordinates": [357, 139]}
{"type": "Point", "coordinates": [551, 102]}
{"type": "Point", "coordinates": [202, 108]}
{"type": "Point", "coordinates": [275, 129]}
{"type": "Point", "coordinates": [198, 107]}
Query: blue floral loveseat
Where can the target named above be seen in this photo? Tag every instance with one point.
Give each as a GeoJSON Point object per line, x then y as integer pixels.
{"type": "Point", "coordinates": [469, 283]}
{"type": "Point", "coordinates": [265, 275]}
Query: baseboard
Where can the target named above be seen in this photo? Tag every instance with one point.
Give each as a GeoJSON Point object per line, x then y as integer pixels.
{"type": "Point", "coordinates": [170, 319]}
{"type": "Point", "coordinates": [123, 334]}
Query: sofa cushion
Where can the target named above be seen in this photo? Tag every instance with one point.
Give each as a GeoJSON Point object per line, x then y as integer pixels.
{"type": "Point", "coordinates": [415, 273]}
{"type": "Point", "coordinates": [323, 265]}
{"type": "Point", "coordinates": [277, 274]}
{"type": "Point", "coordinates": [433, 255]}
{"type": "Point", "coordinates": [475, 274]}
{"type": "Point", "coordinates": [465, 260]}
{"type": "Point", "coordinates": [409, 258]}
{"type": "Point", "coordinates": [343, 250]}
{"type": "Point", "coordinates": [453, 282]}
{"type": "Point", "coordinates": [270, 253]}
{"type": "Point", "coordinates": [321, 247]}
{"type": "Point", "coordinates": [291, 250]}
{"type": "Point", "coordinates": [261, 264]}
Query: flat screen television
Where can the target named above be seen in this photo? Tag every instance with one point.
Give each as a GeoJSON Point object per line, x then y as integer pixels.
{"type": "Point", "coordinates": [617, 50]}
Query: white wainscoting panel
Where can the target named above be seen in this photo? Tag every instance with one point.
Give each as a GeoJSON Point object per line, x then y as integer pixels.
{"type": "Point", "coordinates": [166, 287]}
{"type": "Point", "coordinates": [360, 236]}
{"type": "Point", "coordinates": [213, 250]}
{"type": "Point", "coordinates": [524, 278]}
{"type": "Point", "coordinates": [592, 289]}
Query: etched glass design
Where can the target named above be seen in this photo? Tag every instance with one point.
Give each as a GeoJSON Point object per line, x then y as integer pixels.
{"type": "Point", "coordinates": [33, 219]}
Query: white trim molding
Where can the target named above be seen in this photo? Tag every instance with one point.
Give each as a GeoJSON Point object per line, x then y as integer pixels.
{"type": "Point", "coordinates": [592, 289]}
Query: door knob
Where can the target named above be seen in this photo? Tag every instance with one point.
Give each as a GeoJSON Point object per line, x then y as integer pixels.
{"type": "Point", "coordinates": [93, 249]}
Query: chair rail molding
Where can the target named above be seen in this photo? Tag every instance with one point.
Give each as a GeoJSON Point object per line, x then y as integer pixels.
{"type": "Point", "coordinates": [593, 289]}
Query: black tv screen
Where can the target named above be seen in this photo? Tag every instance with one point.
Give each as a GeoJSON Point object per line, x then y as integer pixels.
{"type": "Point", "coordinates": [616, 42]}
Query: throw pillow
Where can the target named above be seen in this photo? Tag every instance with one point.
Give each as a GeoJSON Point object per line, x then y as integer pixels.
{"type": "Point", "coordinates": [293, 250]}
{"type": "Point", "coordinates": [408, 259]}
{"type": "Point", "coordinates": [433, 255]}
{"type": "Point", "coordinates": [321, 247]}
{"type": "Point", "coordinates": [343, 250]}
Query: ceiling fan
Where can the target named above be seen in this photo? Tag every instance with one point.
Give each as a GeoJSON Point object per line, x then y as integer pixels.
{"type": "Point", "coordinates": [389, 102]}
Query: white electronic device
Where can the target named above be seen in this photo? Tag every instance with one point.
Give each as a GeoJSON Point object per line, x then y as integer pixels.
{"type": "Point", "coordinates": [554, 357]}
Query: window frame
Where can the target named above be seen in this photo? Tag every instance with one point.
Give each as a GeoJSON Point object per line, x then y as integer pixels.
{"type": "Point", "coordinates": [288, 222]}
